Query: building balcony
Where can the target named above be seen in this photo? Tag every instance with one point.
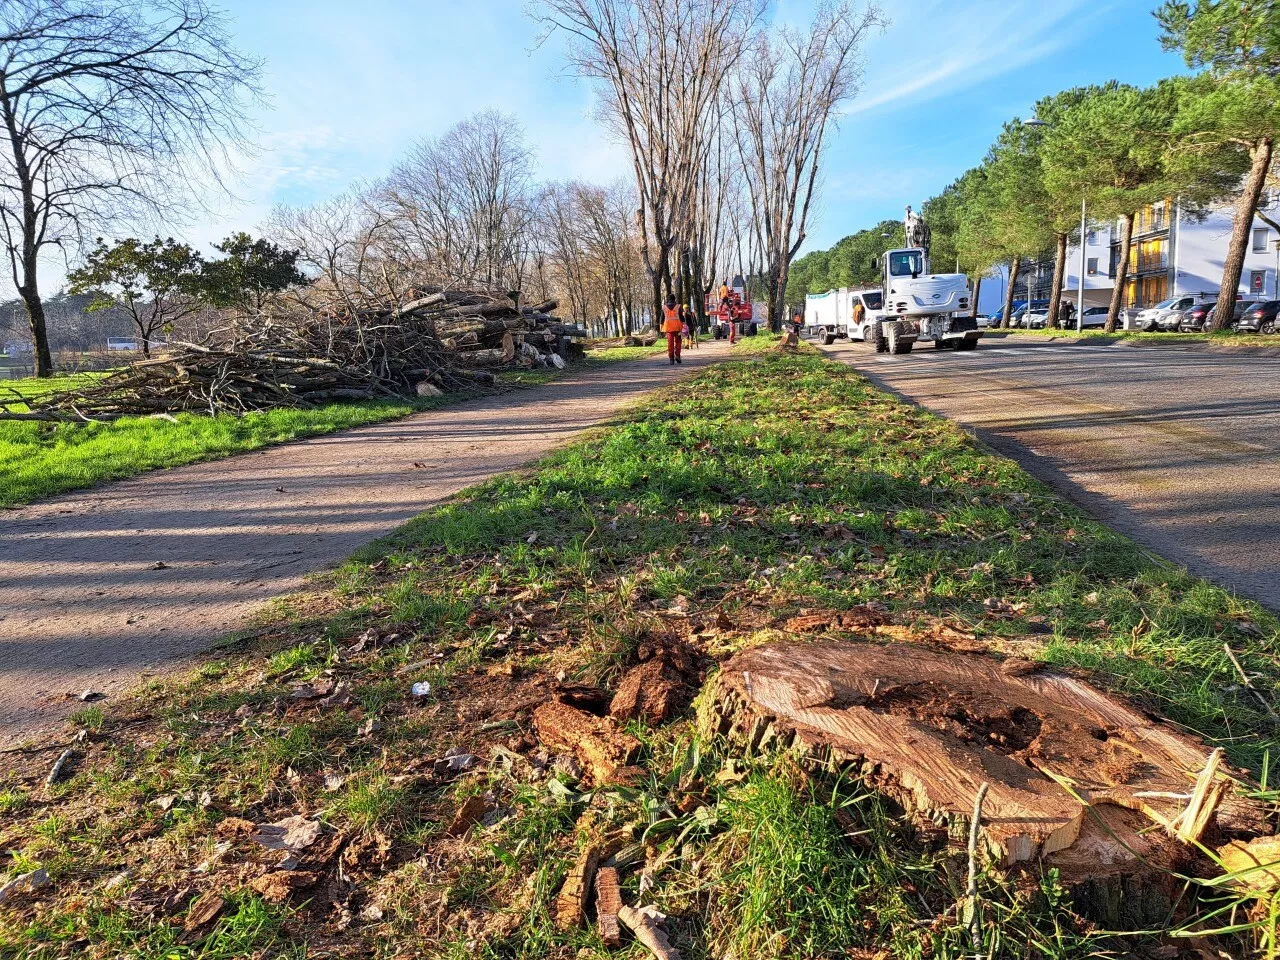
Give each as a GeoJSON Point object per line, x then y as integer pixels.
{"type": "Point", "coordinates": [1151, 263]}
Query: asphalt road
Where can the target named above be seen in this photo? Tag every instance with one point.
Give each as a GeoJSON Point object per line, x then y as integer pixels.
{"type": "Point", "coordinates": [1178, 447]}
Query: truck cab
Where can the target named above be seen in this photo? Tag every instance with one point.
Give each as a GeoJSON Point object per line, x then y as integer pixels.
{"type": "Point", "coordinates": [919, 305]}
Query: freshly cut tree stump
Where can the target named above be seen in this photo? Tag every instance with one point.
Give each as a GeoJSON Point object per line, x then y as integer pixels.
{"type": "Point", "coordinates": [1076, 777]}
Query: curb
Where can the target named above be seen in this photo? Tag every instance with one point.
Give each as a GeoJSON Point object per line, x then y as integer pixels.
{"type": "Point", "coordinates": [1103, 340]}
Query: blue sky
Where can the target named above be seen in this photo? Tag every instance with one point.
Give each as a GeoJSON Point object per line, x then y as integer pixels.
{"type": "Point", "coordinates": [352, 85]}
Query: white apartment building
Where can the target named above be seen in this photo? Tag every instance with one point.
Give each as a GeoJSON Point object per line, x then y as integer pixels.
{"type": "Point", "coordinates": [1172, 253]}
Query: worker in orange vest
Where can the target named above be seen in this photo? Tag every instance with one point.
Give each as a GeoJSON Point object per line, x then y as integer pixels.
{"type": "Point", "coordinates": [672, 326]}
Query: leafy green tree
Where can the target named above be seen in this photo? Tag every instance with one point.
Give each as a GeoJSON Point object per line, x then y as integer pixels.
{"type": "Point", "coordinates": [1111, 147]}
{"type": "Point", "coordinates": [1014, 198]}
{"type": "Point", "coordinates": [156, 283]}
{"type": "Point", "coordinates": [249, 273]}
{"type": "Point", "coordinates": [962, 227]}
{"type": "Point", "coordinates": [1234, 105]}
{"type": "Point", "coordinates": [1061, 198]}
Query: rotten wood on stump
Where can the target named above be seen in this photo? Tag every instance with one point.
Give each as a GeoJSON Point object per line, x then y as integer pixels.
{"type": "Point", "coordinates": [1076, 777]}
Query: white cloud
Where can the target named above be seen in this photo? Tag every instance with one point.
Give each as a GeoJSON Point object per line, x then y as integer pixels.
{"type": "Point", "coordinates": [937, 49]}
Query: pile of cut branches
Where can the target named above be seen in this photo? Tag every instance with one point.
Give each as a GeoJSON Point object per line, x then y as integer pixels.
{"type": "Point", "coordinates": [440, 341]}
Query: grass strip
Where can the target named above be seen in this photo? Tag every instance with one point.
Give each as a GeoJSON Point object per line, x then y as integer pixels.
{"type": "Point", "coordinates": [753, 490]}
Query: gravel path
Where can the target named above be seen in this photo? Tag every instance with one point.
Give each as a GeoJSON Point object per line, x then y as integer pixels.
{"type": "Point", "coordinates": [1177, 446]}
{"type": "Point", "coordinates": [86, 604]}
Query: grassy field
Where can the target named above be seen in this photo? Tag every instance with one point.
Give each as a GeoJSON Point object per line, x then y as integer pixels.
{"type": "Point", "coordinates": [39, 460]}
{"type": "Point", "coordinates": [731, 502]}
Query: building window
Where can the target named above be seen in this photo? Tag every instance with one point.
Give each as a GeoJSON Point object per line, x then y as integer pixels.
{"type": "Point", "coordinates": [1260, 235]}
{"type": "Point", "coordinates": [1093, 238]}
{"type": "Point", "coordinates": [1092, 269]}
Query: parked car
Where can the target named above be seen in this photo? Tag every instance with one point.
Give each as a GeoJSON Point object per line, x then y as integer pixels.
{"type": "Point", "coordinates": [1036, 316]}
{"type": "Point", "coordinates": [1094, 317]}
{"type": "Point", "coordinates": [1260, 318]}
{"type": "Point", "coordinates": [996, 318]}
{"type": "Point", "coordinates": [1036, 309]}
{"type": "Point", "coordinates": [1196, 319]}
{"type": "Point", "coordinates": [1150, 319]}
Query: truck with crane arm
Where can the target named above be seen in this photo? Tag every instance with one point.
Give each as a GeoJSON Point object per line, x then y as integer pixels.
{"type": "Point", "coordinates": [920, 305]}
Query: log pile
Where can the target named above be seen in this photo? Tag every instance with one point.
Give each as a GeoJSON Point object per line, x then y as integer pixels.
{"type": "Point", "coordinates": [440, 341]}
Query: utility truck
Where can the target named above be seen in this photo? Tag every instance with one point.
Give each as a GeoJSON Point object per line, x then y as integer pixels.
{"type": "Point", "coordinates": [829, 316]}
{"type": "Point", "coordinates": [923, 306]}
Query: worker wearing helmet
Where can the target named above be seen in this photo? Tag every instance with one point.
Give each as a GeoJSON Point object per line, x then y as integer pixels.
{"type": "Point", "coordinates": [672, 326]}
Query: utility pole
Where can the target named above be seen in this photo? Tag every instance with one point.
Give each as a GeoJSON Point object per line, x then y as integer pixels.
{"type": "Point", "coordinates": [1084, 230]}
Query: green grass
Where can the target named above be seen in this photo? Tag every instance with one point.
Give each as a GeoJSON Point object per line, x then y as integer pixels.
{"type": "Point", "coordinates": [754, 489]}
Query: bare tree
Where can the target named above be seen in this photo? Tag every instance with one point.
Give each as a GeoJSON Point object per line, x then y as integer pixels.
{"type": "Point", "coordinates": [662, 65]}
{"type": "Point", "coordinates": [109, 108]}
{"type": "Point", "coordinates": [787, 92]}
{"type": "Point", "coordinates": [461, 207]}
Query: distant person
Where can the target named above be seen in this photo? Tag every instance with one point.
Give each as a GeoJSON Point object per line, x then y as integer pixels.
{"type": "Point", "coordinates": [859, 314]}
{"type": "Point", "coordinates": [1066, 314]}
{"type": "Point", "coordinates": [672, 326]}
{"type": "Point", "coordinates": [724, 293]}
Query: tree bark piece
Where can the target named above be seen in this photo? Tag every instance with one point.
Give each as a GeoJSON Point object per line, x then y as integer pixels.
{"type": "Point", "coordinates": [468, 815]}
{"type": "Point", "coordinates": [601, 746]}
{"type": "Point", "coordinates": [608, 903]}
{"type": "Point", "coordinates": [646, 924]}
{"type": "Point", "coordinates": [928, 728]}
{"type": "Point", "coordinates": [656, 688]}
{"type": "Point", "coordinates": [1255, 863]}
{"type": "Point", "coordinates": [571, 903]}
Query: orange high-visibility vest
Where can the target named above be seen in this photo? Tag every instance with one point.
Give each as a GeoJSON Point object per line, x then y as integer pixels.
{"type": "Point", "coordinates": [672, 322]}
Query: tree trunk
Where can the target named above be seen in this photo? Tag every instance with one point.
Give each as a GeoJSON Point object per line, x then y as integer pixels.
{"type": "Point", "coordinates": [1008, 294]}
{"type": "Point", "coordinates": [1122, 273]}
{"type": "Point", "coordinates": [1055, 294]}
{"type": "Point", "coordinates": [656, 277]}
{"type": "Point", "coordinates": [30, 294]}
{"type": "Point", "coordinates": [977, 290]}
{"type": "Point", "coordinates": [1246, 206]}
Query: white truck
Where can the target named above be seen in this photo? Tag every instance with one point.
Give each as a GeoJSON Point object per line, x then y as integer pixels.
{"type": "Point", "coordinates": [923, 306]}
{"type": "Point", "coordinates": [829, 316]}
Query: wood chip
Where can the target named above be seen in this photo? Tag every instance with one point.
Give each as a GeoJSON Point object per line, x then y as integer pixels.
{"type": "Point", "coordinates": [608, 903]}
{"type": "Point", "coordinates": [279, 886]}
{"type": "Point", "coordinates": [467, 816]}
{"type": "Point", "coordinates": [571, 904]}
{"type": "Point", "coordinates": [646, 924]}
{"type": "Point", "coordinates": [204, 911]}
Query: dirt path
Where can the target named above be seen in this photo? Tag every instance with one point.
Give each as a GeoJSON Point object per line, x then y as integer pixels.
{"type": "Point", "coordinates": [84, 605]}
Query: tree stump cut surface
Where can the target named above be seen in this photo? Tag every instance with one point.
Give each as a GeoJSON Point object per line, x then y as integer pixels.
{"type": "Point", "coordinates": [928, 727]}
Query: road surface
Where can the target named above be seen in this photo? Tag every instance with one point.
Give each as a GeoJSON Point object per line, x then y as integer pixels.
{"type": "Point", "coordinates": [83, 604]}
{"type": "Point", "coordinates": [1178, 447]}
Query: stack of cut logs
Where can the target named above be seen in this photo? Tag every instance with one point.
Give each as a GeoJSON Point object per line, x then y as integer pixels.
{"type": "Point", "coordinates": [439, 341]}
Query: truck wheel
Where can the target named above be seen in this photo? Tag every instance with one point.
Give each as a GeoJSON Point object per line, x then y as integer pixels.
{"type": "Point", "coordinates": [898, 343]}
{"type": "Point", "coordinates": [879, 339]}
{"type": "Point", "coordinates": [828, 339]}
